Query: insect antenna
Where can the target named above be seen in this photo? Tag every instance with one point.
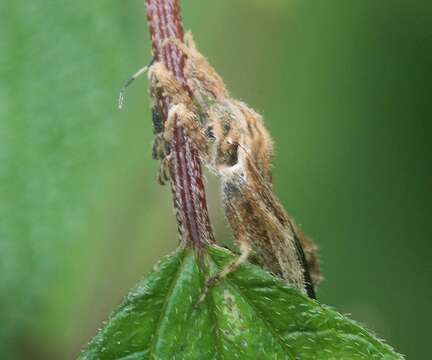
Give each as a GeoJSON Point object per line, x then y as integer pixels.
{"type": "Point", "coordinates": [121, 97]}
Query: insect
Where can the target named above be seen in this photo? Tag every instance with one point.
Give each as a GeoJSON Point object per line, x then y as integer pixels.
{"type": "Point", "coordinates": [235, 145]}
{"type": "Point", "coordinates": [161, 149]}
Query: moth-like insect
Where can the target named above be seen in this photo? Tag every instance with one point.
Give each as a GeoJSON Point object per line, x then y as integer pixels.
{"type": "Point", "coordinates": [234, 144]}
{"type": "Point", "coordinates": [161, 149]}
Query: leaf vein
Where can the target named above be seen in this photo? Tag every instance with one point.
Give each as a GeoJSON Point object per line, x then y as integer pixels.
{"type": "Point", "coordinates": [165, 305]}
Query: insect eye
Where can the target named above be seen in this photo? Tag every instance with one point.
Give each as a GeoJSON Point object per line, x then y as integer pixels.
{"type": "Point", "coordinates": [233, 155]}
{"type": "Point", "coordinates": [157, 120]}
{"type": "Point", "coordinates": [226, 127]}
{"type": "Point", "coordinates": [209, 133]}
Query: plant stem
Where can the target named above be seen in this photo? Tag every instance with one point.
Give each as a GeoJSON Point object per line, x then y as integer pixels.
{"type": "Point", "coordinates": [164, 21]}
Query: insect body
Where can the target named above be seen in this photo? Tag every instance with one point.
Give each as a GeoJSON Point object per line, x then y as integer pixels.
{"type": "Point", "coordinates": [259, 221]}
{"type": "Point", "coordinates": [234, 144]}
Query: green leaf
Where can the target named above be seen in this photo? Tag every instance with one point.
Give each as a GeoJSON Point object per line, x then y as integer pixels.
{"type": "Point", "coordinates": [249, 315]}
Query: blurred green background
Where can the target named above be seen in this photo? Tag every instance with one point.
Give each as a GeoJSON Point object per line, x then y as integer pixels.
{"type": "Point", "coordinates": [345, 88]}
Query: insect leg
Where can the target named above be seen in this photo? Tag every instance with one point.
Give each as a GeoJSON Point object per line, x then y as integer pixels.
{"type": "Point", "coordinates": [188, 120]}
{"type": "Point", "coordinates": [163, 173]}
{"type": "Point", "coordinates": [245, 251]}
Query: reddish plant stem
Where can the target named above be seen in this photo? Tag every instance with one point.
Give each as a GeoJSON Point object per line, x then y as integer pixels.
{"type": "Point", "coordinates": [164, 21]}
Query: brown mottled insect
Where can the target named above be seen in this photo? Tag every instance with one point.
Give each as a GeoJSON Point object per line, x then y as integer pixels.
{"type": "Point", "coordinates": [161, 148]}
{"type": "Point", "coordinates": [234, 144]}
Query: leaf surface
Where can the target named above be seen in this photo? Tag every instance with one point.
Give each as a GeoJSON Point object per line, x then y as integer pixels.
{"type": "Point", "coordinates": [249, 315]}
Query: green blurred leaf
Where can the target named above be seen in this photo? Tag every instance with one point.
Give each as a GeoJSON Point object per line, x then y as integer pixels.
{"type": "Point", "coordinates": [250, 315]}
